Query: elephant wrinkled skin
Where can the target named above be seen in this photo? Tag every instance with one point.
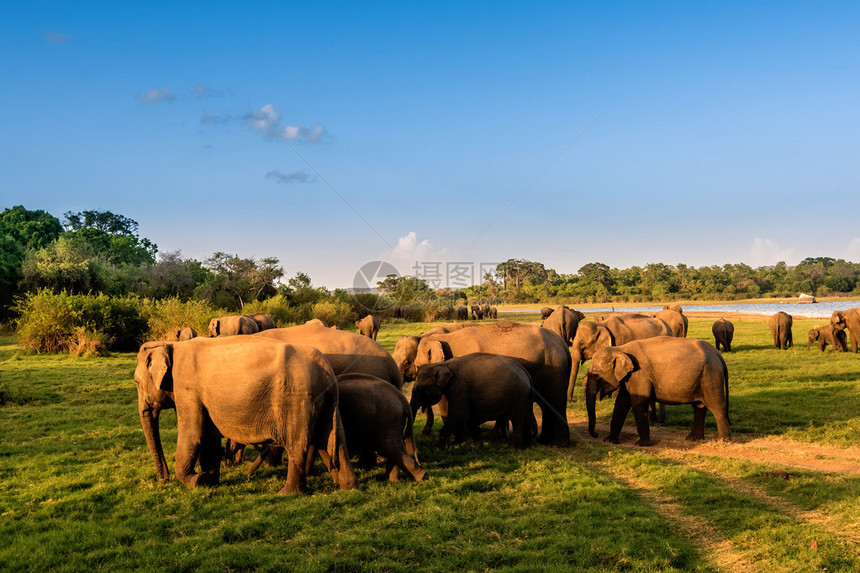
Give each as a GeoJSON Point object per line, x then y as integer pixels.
{"type": "Point", "coordinates": [232, 326]}
{"type": "Point", "coordinates": [780, 329]}
{"type": "Point", "coordinates": [368, 326]}
{"type": "Point", "coordinates": [723, 332]}
{"type": "Point", "coordinates": [831, 334]}
{"type": "Point", "coordinates": [849, 319]}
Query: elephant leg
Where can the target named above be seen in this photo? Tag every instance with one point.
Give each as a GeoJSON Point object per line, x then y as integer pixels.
{"type": "Point", "coordinates": [661, 414]}
{"type": "Point", "coordinates": [640, 414]}
{"type": "Point", "coordinates": [275, 457]}
{"type": "Point", "coordinates": [652, 412]}
{"type": "Point", "coordinates": [295, 471]}
{"type": "Point", "coordinates": [619, 414]}
{"type": "Point", "coordinates": [192, 436]}
{"type": "Point", "coordinates": [398, 458]}
{"type": "Point", "coordinates": [211, 452]}
{"type": "Point", "coordinates": [392, 472]}
{"type": "Point", "coordinates": [697, 431]}
{"type": "Point", "coordinates": [310, 459]}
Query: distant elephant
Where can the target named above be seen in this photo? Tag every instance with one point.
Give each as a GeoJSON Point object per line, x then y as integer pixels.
{"type": "Point", "coordinates": [676, 321]}
{"type": "Point", "coordinates": [723, 331]}
{"type": "Point", "coordinates": [245, 390]}
{"type": "Point", "coordinates": [614, 331]}
{"type": "Point", "coordinates": [347, 352]}
{"type": "Point", "coordinates": [624, 315]}
{"type": "Point", "coordinates": [377, 418]}
{"type": "Point", "coordinates": [316, 322]}
{"type": "Point", "coordinates": [849, 319]}
{"type": "Point", "coordinates": [563, 321]}
{"type": "Point", "coordinates": [485, 308]}
{"type": "Point", "coordinates": [477, 313]}
{"type": "Point", "coordinates": [186, 333]}
{"type": "Point", "coordinates": [232, 325]}
{"type": "Point", "coordinates": [543, 354]}
{"type": "Point", "coordinates": [669, 369]}
{"type": "Point", "coordinates": [494, 313]}
{"type": "Point", "coordinates": [368, 326]}
{"type": "Point", "coordinates": [675, 307]}
{"type": "Point", "coordinates": [831, 334]}
{"type": "Point", "coordinates": [545, 312]}
{"type": "Point", "coordinates": [462, 313]}
{"type": "Point", "coordinates": [478, 387]}
{"type": "Point", "coordinates": [401, 310]}
{"type": "Point", "coordinates": [780, 329]}
{"type": "Point", "coordinates": [264, 321]}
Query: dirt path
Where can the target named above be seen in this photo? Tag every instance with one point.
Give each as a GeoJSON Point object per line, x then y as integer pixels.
{"type": "Point", "coordinates": [767, 450]}
{"type": "Point", "coordinates": [708, 540]}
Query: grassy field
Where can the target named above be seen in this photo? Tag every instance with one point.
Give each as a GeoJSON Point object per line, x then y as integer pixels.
{"type": "Point", "coordinates": [77, 487]}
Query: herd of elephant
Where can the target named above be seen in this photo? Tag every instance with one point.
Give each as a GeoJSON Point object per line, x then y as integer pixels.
{"type": "Point", "coordinates": [310, 389]}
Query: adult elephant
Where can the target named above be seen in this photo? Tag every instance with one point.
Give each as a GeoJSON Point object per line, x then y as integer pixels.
{"type": "Point", "coordinates": [264, 321]}
{"type": "Point", "coordinates": [564, 321]}
{"type": "Point", "coordinates": [232, 325]}
{"type": "Point", "coordinates": [545, 312]}
{"type": "Point", "coordinates": [462, 313]}
{"type": "Point", "coordinates": [477, 313]}
{"type": "Point", "coordinates": [347, 352]}
{"type": "Point", "coordinates": [250, 390]}
{"type": "Point", "coordinates": [186, 333]}
{"type": "Point", "coordinates": [780, 329]}
{"type": "Point", "coordinates": [849, 319]}
{"type": "Point", "coordinates": [485, 308]}
{"type": "Point", "coordinates": [670, 370]}
{"type": "Point", "coordinates": [494, 313]}
{"type": "Point", "coordinates": [676, 321]}
{"type": "Point", "coordinates": [368, 326]}
{"type": "Point", "coordinates": [675, 307]}
{"type": "Point", "coordinates": [543, 354]}
{"type": "Point", "coordinates": [614, 331]}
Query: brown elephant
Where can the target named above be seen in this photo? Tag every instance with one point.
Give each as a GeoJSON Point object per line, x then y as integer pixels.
{"type": "Point", "coordinates": [462, 313]}
{"type": "Point", "coordinates": [264, 321]}
{"type": "Point", "coordinates": [250, 390]}
{"type": "Point", "coordinates": [723, 332]}
{"type": "Point", "coordinates": [377, 418]}
{"type": "Point", "coordinates": [347, 352]}
{"type": "Point", "coordinates": [675, 307]}
{"type": "Point", "coordinates": [614, 331]}
{"type": "Point", "coordinates": [543, 354]}
{"type": "Point", "coordinates": [849, 319]}
{"type": "Point", "coordinates": [831, 334]}
{"type": "Point", "coordinates": [563, 321]}
{"type": "Point", "coordinates": [676, 321]}
{"type": "Point", "coordinates": [494, 313]}
{"type": "Point", "coordinates": [780, 329]}
{"type": "Point", "coordinates": [232, 326]}
{"type": "Point", "coordinates": [545, 312]}
{"type": "Point", "coordinates": [186, 333]}
{"type": "Point", "coordinates": [478, 387]}
{"type": "Point", "coordinates": [669, 369]}
{"type": "Point", "coordinates": [368, 326]}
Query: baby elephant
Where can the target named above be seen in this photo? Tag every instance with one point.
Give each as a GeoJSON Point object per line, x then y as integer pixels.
{"type": "Point", "coordinates": [828, 334]}
{"type": "Point", "coordinates": [723, 331]}
{"type": "Point", "coordinates": [668, 369]}
{"type": "Point", "coordinates": [368, 326]}
{"type": "Point", "coordinates": [478, 387]}
{"type": "Point", "coordinates": [377, 418]}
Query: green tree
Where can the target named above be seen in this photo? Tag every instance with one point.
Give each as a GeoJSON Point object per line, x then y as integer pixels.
{"type": "Point", "coordinates": [111, 237]}
{"type": "Point", "coordinates": [32, 229]}
{"type": "Point", "coordinates": [243, 279]}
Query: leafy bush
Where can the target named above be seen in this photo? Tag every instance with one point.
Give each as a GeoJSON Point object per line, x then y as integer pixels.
{"type": "Point", "coordinates": [88, 343]}
{"type": "Point", "coordinates": [49, 322]}
{"type": "Point", "coordinates": [333, 312]}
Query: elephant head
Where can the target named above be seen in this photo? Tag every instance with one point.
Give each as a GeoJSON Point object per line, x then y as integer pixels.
{"type": "Point", "coordinates": [590, 337]}
{"type": "Point", "coordinates": [154, 380]}
{"type": "Point", "coordinates": [214, 327]}
{"type": "Point", "coordinates": [609, 367]}
{"type": "Point", "coordinates": [814, 334]}
{"type": "Point", "coordinates": [404, 354]}
{"type": "Point", "coordinates": [430, 385]}
{"type": "Point", "coordinates": [430, 352]}
{"type": "Point", "coordinates": [564, 322]}
{"type": "Point", "coordinates": [838, 318]}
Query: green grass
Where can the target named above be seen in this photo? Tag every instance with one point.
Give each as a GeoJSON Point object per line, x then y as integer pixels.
{"type": "Point", "coordinates": [77, 487]}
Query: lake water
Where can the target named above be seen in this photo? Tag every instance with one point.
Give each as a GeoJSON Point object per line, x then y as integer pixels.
{"type": "Point", "coordinates": [812, 310]}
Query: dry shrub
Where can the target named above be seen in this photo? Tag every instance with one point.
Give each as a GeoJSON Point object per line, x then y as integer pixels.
{"type": "Point", "coordinates": [86, 342]}
{"type": "Point", "coordinates": [169, 315]}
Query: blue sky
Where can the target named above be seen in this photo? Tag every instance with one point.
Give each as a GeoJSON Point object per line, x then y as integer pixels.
{"type": "Point", "coordinates": [702, 132]}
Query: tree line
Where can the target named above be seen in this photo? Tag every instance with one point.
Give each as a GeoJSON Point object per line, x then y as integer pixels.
{"type": "Point", "coordinates": [102, 252]}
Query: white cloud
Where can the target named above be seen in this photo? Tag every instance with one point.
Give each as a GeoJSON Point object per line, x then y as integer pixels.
{"type": "Point", "coordinates": [853, 252]}
{"type": "Point", "coordinates": [409, 250]}
{"type": "Point", "coordinates": [203, 91]}
{"type": "Point", "coordinates": [765, 252]}
{"type": "Point", "coordinates": [289, 178]}
{"type": "Point", "coordinates": [55, 38]}
{"type": "Point", "coordinates": [267, 121]}
{"type": "Point", "coordinates": [156, 96]}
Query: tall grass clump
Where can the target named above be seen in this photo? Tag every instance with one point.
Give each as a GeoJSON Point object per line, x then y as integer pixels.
{"type": "Point", "coordinates": [52, 322]}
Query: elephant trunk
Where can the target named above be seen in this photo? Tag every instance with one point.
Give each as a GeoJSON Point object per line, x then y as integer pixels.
{"type": "Point", "coordinates": [590, 399]}
{"type": "Point", "coordinates": [149, 423]}
{"type": "Point", "coordinates": [575, 361]}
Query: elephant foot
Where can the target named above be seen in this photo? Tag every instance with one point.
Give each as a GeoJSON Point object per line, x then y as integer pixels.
{"type": "Point", "coordinates": [691, 437]}
{"type": "Point", "coordinates": [204, 479]}
{"type": "Point", "coordinates": [610, 439]}
{"type": "Point", "coordinates": [644, 442]}
{"type": "Point", "coordinates": [290, 489]}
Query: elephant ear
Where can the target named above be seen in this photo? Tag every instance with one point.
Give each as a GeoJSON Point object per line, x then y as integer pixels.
{"type": "Point", "coordinates": [160, 366]}
{"type": "Point", "coordinates": [442, 377]}
{"type": "Point", "coordinates": [622, 366]}
{"type": "Point", "coordinates": [435, 352]}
